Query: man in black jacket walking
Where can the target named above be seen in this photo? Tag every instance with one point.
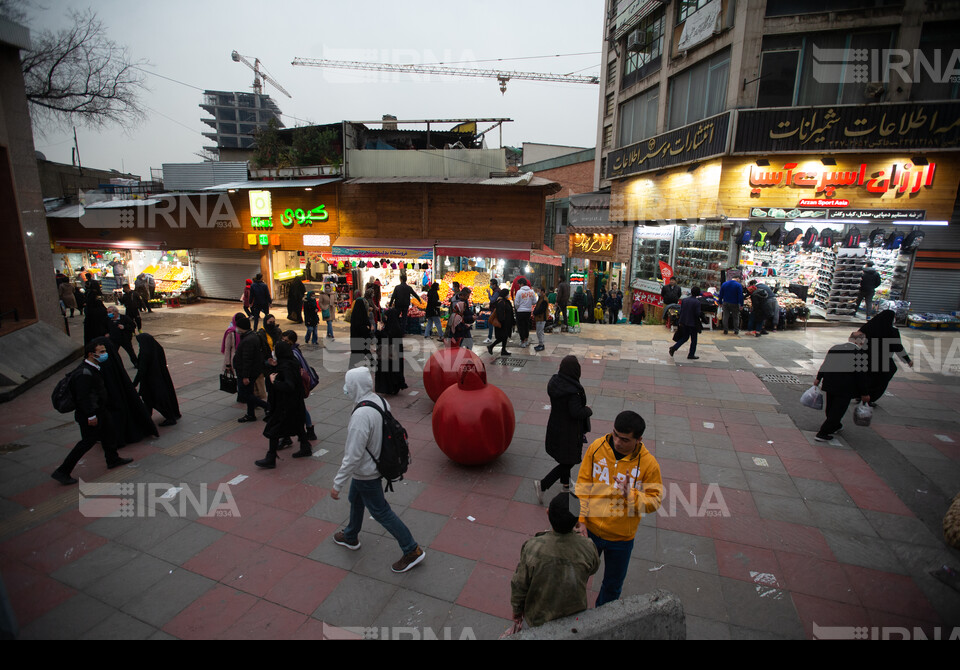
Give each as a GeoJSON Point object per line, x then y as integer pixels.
{"type": "Point", "coordinates": [869, 282]}
{"type": "Point", "coordinates": [688, 324]}
{"type": "Point", "coordinates": [260, 300]}
{"type": "Point", "coordinates": [92, 415]}
{"type": "Point", "coordinates": [122, 330]}
{"type": "Point", "coordinates": [401, 300]}
{"type": "Point", "coordinates": [248, 366]}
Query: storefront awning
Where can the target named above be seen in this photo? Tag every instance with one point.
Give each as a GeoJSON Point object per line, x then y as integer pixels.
{"type": "Point", "coordinates": [546, 256]}
{"type": "Point", "coordinates": [361, 247]}
{"type": "Point", "coordinates": [590, 210]}
{"type": "Point", "coordinates": [105, 244]}
{"type": "Point", "coordinates": [514, 251]}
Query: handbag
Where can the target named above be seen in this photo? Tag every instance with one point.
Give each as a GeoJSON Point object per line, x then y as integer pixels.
{"type": "Point", "coordinates": [348, 314]}
{"type": "Point", "coordinates": [494, 321]}
{"type": "Point", "coordinates": [812, 398]}
{"type": "Point", "coordinates": [863, 414]}
{"type": "Point", "coordinates": [325, 314]}
{"type": "Point", "coordinates": [228, 382]}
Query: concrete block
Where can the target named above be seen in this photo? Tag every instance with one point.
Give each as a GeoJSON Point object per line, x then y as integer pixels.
{"type": "Point", "coordinates": [657, 615]}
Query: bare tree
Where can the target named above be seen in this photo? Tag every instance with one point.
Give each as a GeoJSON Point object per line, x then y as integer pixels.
{"type": "Point", "coordinates": [80, 76]}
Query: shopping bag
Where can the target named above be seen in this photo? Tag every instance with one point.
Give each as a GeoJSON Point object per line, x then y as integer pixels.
{"type": "Point", "coordinates": [228, 382]}
{"type": "Point", "coordinates": [863, 414]}
{"type": "Point", "coordinates": [812, 398]}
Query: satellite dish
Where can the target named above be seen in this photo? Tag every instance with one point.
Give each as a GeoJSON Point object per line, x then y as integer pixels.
{"type": "Point", "coordinates": [40, 156]}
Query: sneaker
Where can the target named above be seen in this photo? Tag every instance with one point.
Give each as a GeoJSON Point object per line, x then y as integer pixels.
{"type": "Point", "coordinates": [822, 438]}
{"type": "Point", "coordinates": [536, 487]}
{"type": "Point", "coordinates": [412, 559]}
{"type": "Point", "coordinates": [341, 539]}
{"type": "Point", "coordinates": [539, 347]}
{"type": "Point", "coordinates": [63, 477]}
{"type": "Point", "coordinates": [487, 341]}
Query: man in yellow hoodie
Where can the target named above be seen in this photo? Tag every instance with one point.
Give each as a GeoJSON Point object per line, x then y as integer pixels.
{"type": "Point", "coordinates": [619, 482]}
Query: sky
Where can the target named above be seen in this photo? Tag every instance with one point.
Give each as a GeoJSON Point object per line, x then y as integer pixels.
{"type": "Point", "coordinates": [191, 43]}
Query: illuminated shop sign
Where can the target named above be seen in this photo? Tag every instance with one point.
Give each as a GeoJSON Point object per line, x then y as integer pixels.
{"type": "Point", "coordinates": [592, 244]}
{"type": "Point", "coordinates": [304, 218]}
{"type": "Point", "coordinates": [899, 177]}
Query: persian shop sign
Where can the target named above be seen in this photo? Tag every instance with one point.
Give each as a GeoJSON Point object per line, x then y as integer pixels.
{"type": "Point", "coordinates": [695, 142]}
{"type": "Point", "coordinates": [849, 128]}
{"type": "Point", "coordinates": [591, 244]}
{"type": "Point", "coordinates": [899, 177]}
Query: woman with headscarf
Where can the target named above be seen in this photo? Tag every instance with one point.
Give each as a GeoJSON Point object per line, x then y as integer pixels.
{"type": "Point", "coordinates": [153, 376]}
{"type": "Point", "coordinates": [389, 378]}
{"type": "Point", "coordinates": [295, 294]}
{"type": "Point", "coordinates": [229, 344]}
{"type": "Point", "coordinates": [130, 417]}
{"type": "Point", "coordinates": [567, 426]}
{"type": "Point", "coordinates": [361, 332]}
{"type": "Point", "coordinates": [288, 417]}
{"type": "Point", "coordinates": [374, 312]}
{"type": "Point", "coordinates": [96, 321]}
{"type": "Point", "coordinates": [579, 301]}
{"type": "Point", "coordinates": [883, 343]}
{"type": "Point", "coordinates": [327, 305]}
{"type": "Point", "coordinates": [311, 317]}
{"type": "Point", "coordinates": [432, 312]}
{"type": "Point", "coordinates": [247, 298]}
{"type": "Point", "coordinates": [503, 310]}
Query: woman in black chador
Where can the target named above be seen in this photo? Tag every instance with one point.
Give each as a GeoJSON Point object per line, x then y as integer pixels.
{"type": "Point", "coordinates": [883, 344]}
{"type": "Point", "coordinates": [156, 387]}
{"type": "Point", "coordinates": [361, 332]}
{"type": "Point", "coordinates": [389, 375]}
{"type": "Point", "coordinates": [288, 417]}
{"type": "Point", "coordinates": [96, 321]}
{"type": "Point", "coordinates": [131, 418]}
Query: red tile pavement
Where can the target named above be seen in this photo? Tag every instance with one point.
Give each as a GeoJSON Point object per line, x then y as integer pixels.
{"type": "Point", "coordinates": [264, 524]}
{"type": "Point", "coordinates": [780, 436]}
{"type": "Point", "coordinates": [484, 509]}
{"type": "Point", "coordinates": [753, 446]}
{"type": "Point", "coordinates": [488, 590]}
{"type": "Point", "coordinates": [888, 592]}
{"type": "Point", "coordinates": [498, 485]}
{"type": "Point", "coordinates": [715, 427]}
{"type": "Point", "coordinates": [306, 586]}
{"type": "Point", "coordinates": [229, 524]}
{"type": "Point", "coordinates": [682, 471]}
{"type": "Point", "coordinates": [817, 577]}
{"type": "Point", "coordinates": [822, 616]}
{"type": "Point", "coordinates": [798, 539]}
{"type": "Point", "coordinates": [736, 416]}
{"type": "Point", "coordinates": [439, 499]}
{"type": "Point", "coordinates": [796, 451]}
{"type": "Point", "coordinates": [534, 418]}
{"type": "Point", "coordinates": [879, 498]}
{"type": "Point", "coordinates": [264, 621]}
{"type": "Point", "coordinates": [222, 557]}
{"type": "Point", "coordinates": [303, 535]}
{"type": "Point", "coordinates": [711, 414]}
{"type": "Point", "coordinates": [744, 562]}
{"type": "Point", "coordinates": [524, 518]}
{"type": "Point", "coordinates": [463, 538]}
{"type": "Point", "coordinates": [745, 530]}
{"type": "Point", "coordinates": [24, 545]}
{"type": "Point", "coordinates": [503, 548]}
{"type": "Point", "coordinates": [65, 549]}
{"type": "Point", "coordinates": [671, 409]}
{"type": "Point", "coordinates": [32, 594]}
{"type": "Point", "coordinates": [211, 614]}
{"type": "Point", "coordinates": [260, 570]}
{"type": "Point", "coordinates": [300, 498]}
{"type": "Point", "coordinates": [807, 469]}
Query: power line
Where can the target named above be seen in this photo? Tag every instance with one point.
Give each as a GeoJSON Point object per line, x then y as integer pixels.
{"type": "Point", "coordinates": [176, 81]}
{"type": "Point", "coordinates": [499, 60]}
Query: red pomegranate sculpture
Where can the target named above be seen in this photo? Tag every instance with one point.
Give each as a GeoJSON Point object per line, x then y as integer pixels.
{"type": "Point", "coordinates": [443, 369]}
{"type": "Point", "coordinates": [473, 421]}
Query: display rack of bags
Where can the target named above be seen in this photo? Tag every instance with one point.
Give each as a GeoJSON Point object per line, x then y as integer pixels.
{"type": "Point", "coordinates": [838, 282]}
{"type": "Point", "coordinates": [699, 262]}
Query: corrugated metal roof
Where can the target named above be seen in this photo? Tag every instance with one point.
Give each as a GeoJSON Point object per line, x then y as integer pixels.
{"type": "Point", "coordinates": [195, 176]}
{"type": "Point", "coordinates": [538, 182]}
{"type": "Point", "coordinates": [270, 185]}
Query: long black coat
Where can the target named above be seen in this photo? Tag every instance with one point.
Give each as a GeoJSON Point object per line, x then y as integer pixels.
{"type": "Point", "coordinates": [504, 309]}
{"type": "Point", "coordinates": [569, 419]}
{"type": "Point", "coordinates": [156, 386]}
{"type": "Point", "coordinates": [361, 332]}
{"type": "Point", "coordinates": [96, 322]}
{"type": "Point", "coordinates": [295, 300]}
{"type": "Point", "coordinates": [288, 415]}
{"type": "Point", "coordinates": [131, 418]}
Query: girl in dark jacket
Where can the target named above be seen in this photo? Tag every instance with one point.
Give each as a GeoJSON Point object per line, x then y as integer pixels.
{"type": "Point", "coordinates": [503, 308]}
{"type": "Point", "coordinates": [567, 426]}
{"type": "Point", "coordinates": [311, 317]}
{"type": "Point", "coordinates": [361, 332]}
{"type": "Point", "coordinates": [288, 417]}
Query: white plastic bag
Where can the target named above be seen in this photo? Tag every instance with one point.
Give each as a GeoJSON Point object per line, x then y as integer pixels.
{"type": "Point", "coordinates": [812, 398]}
{"type": "Point", "coordinates": [863, 414]}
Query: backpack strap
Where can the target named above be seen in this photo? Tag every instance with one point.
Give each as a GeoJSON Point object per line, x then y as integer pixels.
{"type": "Point", "coordinates": [383, 416]}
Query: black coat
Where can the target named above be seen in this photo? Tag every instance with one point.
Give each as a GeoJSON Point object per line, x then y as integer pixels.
{"type": "Point", "coordinates": [504, 309]}
{"type": "Point", "coordinates": [569, 419]}
{"type": "Point", "coordinates": [433, 303]}
{"type": "Point", "coordinates": [96, 322]}
{"type": "Point", "coordinates": [153, 376]}
{"type": "Point", "coordinates": [295, 299]}
{"type": "Point", "coordinates": [388, 377]}
{"type": "Point", "coordinates": [131, 418]}
{"type": "Point", "coordinates": [844, 371]}
{"type": "Point", "coordinates": [311, 317]}
{"type": "Point", "coordinates": [288, 417]}
{"type": "Point", "coordinates": [248, 359]}
{"type": "Point", "coordinates": [120, 336]}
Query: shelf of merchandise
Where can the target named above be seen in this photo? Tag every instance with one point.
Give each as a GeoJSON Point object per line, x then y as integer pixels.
{"type": "Point", "coordinates": [649, 255]}
{"type": "Point", "coordinates": [699, 262]}
{"type": "Point", "coordinates": [838, 282]}
{"type": "Point", "coordinates": [893, 268]}
{"type": "Point", "coordinates": [790, 265]}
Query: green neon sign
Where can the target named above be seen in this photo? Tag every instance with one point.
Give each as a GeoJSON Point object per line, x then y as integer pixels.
{"type": "Point", "coordinates": [264, 240]}
{"type": "Point", "coordinates": [261, 222]}
{"type": "Point", "coordinates": [303, 218]}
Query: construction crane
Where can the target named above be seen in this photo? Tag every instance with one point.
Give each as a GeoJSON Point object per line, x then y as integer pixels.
{"type": "Point", "coordinates": [503, 76]}
{"type": "Point", "coordinates": [258, 76]}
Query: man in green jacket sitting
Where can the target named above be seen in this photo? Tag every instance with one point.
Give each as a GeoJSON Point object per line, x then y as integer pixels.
{"type": "Point", "coordinates": [551, 580]}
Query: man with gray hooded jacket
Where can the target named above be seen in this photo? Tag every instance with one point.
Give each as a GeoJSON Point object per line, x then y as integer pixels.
{"type": "Point", "coordinates": [364, 435]}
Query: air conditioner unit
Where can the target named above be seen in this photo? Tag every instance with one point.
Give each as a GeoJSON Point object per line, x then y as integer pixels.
{"type": "Point", "coordinates": [637, 42]}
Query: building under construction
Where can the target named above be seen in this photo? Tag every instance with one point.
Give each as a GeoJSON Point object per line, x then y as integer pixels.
{"type": "Point", "coordinates": [236, 116]}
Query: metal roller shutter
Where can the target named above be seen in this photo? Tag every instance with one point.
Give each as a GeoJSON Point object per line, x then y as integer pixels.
{"type": "Point", "coordinates": [222, 273]}
{"type": "Point", "coordinates": [934, 290]}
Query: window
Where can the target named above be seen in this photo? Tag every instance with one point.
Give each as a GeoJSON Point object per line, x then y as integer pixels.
{"type": "Point", "coordinates": [699, 91]}
{"type": "Point", "coordinates": [687, 7]}
{"type": "Point", "coordinates": [607, 137]}
{"type": "Point", "coordinates": [611, 74]}
{"type": "Point", "coordinates": [638, 117]}
{"type": "Point", "coordinates": [228, 128]}
{"type": "Point", "coordinates": [603, 168]}
{"type": "Point", "coordinates": [610, 104]}
{"type": "Point", "coordinates": [643, 49]}
{"type": "Point", "coordinates": [819, 69]}
{"type": "Point", "coordinates": [937, 39]}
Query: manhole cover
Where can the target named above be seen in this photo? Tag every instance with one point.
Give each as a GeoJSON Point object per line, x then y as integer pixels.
{"type": "Point", "coordinates": [511, 362]}
{"type": "Point", "coordinates": [10, 448]}
{"type": "Point", "coordinates": [780, 379]}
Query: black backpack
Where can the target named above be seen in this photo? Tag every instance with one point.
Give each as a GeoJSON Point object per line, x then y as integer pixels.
{"type": "Point", "coordinates": [776, 239]}
{"type": "Point", "coordinates": [852, 240]}
{"type": "Point", "coordinates": [826, 237]}
{"type": "Point", "coordinates": [394, 448]}
{"type": "Point", "coordinates": [810, 238]}
{"type": "Point", "coordinates": [912, 242]}
{"type": "Point", "coordinates": [62, 397]}
{"type": "Point", "coordinates": [793, 237]}
{"type": "Point", "coordinates": [893, 241]}
{"type": "Point", "coordinates": [876, 238]}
